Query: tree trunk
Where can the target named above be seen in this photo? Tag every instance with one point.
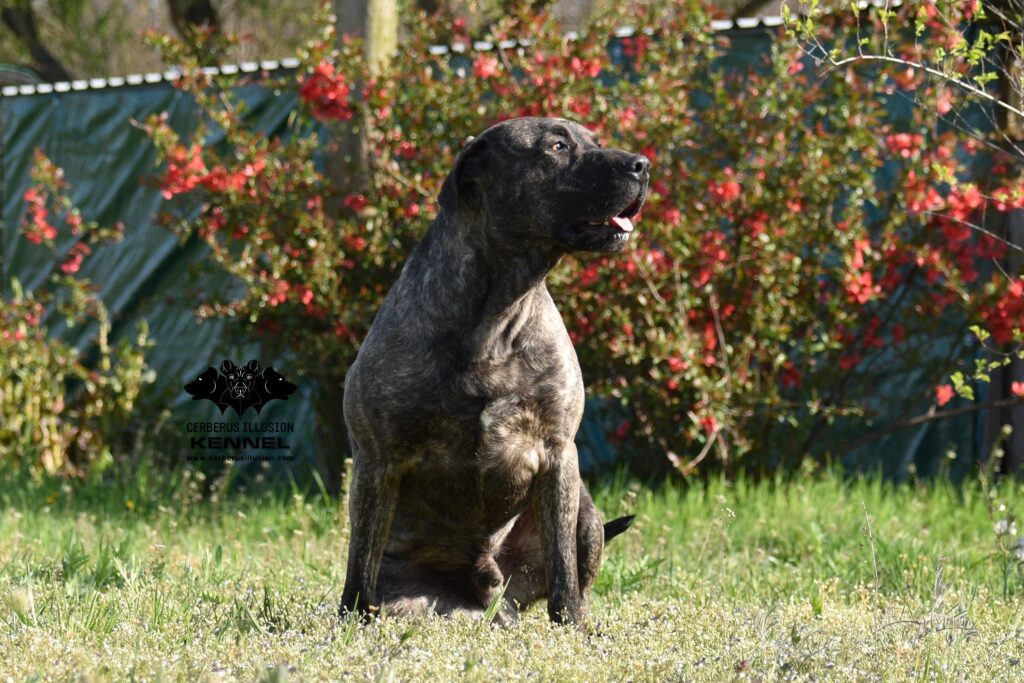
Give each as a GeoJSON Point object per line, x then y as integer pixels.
{"type": "Point", "coordinates": [20, 18]}
{"type": "Point", "coordinates": [191, 19]}
{"type": "Point", "coordinates": [751, 8]}
{"type": "Point", "coordinates": [1003, 378]}
{"type": "Point", "coordinates": [376, 22]}
{"type": "Point", "coordinates": [349, 168]}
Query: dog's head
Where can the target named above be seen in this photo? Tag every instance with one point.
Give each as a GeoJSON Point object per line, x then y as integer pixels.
{"type": "Point", "coordinates": [547, 180]}
{"type": "Point", "coordinates": [240, 379]}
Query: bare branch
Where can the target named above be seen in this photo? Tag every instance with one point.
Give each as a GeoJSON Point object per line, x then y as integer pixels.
{"type": "Point", "coordinates": [931, 416]}
{"type": "Point", "coordinates": [837, 63]}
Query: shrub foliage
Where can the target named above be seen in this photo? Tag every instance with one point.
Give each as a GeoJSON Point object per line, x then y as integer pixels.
{"type": "Point", "coordinates": [811, 256]}
{"type": "Point", "coordinates": [61, 413]}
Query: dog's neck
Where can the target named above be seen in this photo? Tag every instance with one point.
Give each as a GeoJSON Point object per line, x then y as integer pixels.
{"type": "Point", "coordinates": [483, 293]}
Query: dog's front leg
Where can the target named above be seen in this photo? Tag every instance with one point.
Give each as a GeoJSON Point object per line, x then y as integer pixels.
{"type": "Point", "coordinates": [373, 494]}
{"type": "Point", "coordinates": [558, 499]}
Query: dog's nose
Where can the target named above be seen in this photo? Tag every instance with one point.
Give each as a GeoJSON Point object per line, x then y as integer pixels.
{"type": "Point", "coordinates": [639, 165]}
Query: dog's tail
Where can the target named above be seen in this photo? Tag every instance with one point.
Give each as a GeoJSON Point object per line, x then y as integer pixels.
{"type": "Point", "coordinates": [617, 526]}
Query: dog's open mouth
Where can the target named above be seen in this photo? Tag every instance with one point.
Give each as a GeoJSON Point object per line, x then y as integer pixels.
{"type": "Point", "coordinates": [623, 221]}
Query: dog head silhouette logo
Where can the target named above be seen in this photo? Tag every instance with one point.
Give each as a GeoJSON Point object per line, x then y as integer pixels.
{"type": "Point", "coordinates": [240, 387]}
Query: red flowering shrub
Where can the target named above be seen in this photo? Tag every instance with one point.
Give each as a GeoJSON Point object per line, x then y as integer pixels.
{"type": "Point", "coordinates": [801, 246]}
{"type": "Point", "coordinates": [45, 427]}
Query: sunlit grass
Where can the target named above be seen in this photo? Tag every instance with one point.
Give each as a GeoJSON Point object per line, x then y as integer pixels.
{"type": "Point", "coordinates": [819, 579]}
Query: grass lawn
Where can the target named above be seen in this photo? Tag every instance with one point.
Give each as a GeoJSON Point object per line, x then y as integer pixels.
{"type": "Point", "coordinates": [817, 580]}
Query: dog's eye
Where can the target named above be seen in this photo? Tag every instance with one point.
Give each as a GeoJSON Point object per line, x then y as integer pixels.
{"type": "Point", "coordinates": [558, 146]}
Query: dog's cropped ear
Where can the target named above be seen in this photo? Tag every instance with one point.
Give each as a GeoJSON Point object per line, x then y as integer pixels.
{"type": "Point", "coordinates": [617, 526]}
{"type": "Point", "coordinates": [460, 185]}
{"type": "Point", "coordinates": [253, 366]}
{"type": "Point", "coordinates": [227, 366]}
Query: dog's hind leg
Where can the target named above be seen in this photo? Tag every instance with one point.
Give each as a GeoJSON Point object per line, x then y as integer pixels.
{"type": "Point", "coordinates": [521, 557]}
{"type": "Point", "coordinates": [589, 543]}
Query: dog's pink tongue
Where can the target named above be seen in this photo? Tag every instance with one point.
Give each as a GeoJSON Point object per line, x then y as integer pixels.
{"type": "Point", "coordinates": [623, 224]}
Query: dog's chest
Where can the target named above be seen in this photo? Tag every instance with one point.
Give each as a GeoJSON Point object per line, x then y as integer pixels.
{"type": "Point", "coordinates": [512, 435]}
{"type": "Point", "coordinates": [519, 429]}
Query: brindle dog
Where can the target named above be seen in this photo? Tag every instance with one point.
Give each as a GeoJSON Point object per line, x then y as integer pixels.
{"type": "Point", "coordinates": [465, 397]}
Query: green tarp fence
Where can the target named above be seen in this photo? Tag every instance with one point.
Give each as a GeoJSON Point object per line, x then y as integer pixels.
{"type": "Point", "coordinates": [150, 275]}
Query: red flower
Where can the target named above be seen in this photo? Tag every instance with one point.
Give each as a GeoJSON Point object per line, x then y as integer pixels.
{"type": "Point", "coordinates": [635, 46]}
{"type": "Point", "coordinates": [944, 103]}
{"type": "Point", "coordinates": [38, 228]}
{"type": "Point", "coordinates": [185, 169]}
{"type": "Point", "coordinates": [627, 118]}
{"type": "Point", "coordinates": [725, 191]}
{"type": "Point", "coordinates": [219, 180]}
{"type": "Point", "coordinates": [72, 263]}
{"type": "Point", "coordinates": [860, 287]}
{"type": "Point", "coordinates": [677, 364]}
{"type": "Point", "coordinates": [588, 68]}
{"type": "Point", "coordinates": [581, 106]}
{"type": "Point", "coordinates": [904, 144]}
{"type": "Point", "coordinates": [74, 221]}
{"type": "Point", "coordinates": [849, 362]}
{"type": "Point", "coordinates": [1007, 314]}
{"type": "Point", "coordinates": [355, 242]}
{"type": "Point", "coordinates": [327, 93]}
{"type": "Point", "coordinates": [671, 215]}
{"type": "Point", "coordinates": [859, 248]}
{"type": "Point", "coordinates": [709, 423]}
{"type": "Point", "coordinates": [485, 65]}
{"type": "Point", "coordinates": [406, 150]}
{"type": "Point", "coordinates": [710, 337]}
{"type": "Point", "coordinates": [943, 394]}
{"type": "Point", "coordinates": [790, 377]}
{"type": "Point", "coordinates": [588, 276]}
{"type": "Point", "coordinates": [356, 202]}
{"type": "Point", "coordinates": [1017, 389]}
{"type": "Point", "coordinates": [280, 293]}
